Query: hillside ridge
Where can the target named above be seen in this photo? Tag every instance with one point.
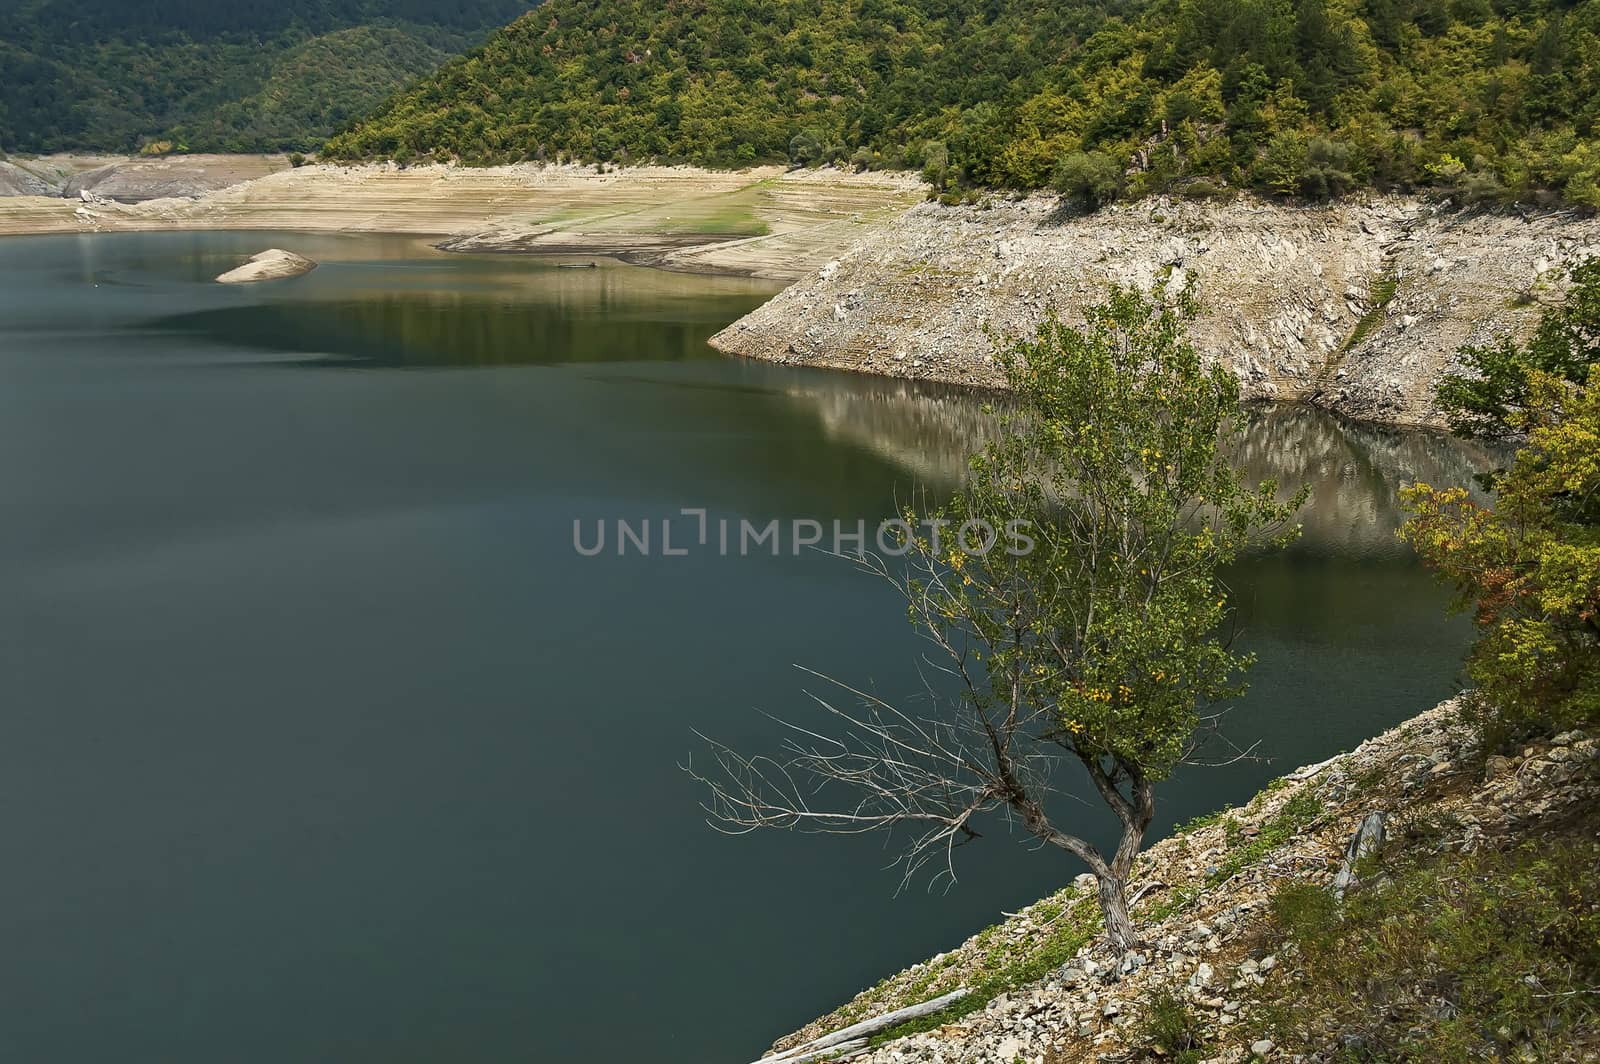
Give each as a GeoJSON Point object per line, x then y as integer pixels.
{"type": "Point", "coordinates": [1307, 98]}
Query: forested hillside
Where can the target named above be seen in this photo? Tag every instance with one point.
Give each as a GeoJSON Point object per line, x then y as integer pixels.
{"type": "Point", "coordinates": [1491, 99]}
{"type": "Point", "coordinates": [216, 75]}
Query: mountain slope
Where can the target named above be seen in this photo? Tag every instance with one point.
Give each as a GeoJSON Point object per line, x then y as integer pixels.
{"type": "Point", "coordinates": [1492, 98]}
{"type": "Point", "coordinates": [115, 76]}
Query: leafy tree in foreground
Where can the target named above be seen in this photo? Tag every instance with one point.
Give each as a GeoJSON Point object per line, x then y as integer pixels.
{"type": "Point", "coordinates": [1530, 567]}
{"type": "Point", "coordinates": [1097, 647]}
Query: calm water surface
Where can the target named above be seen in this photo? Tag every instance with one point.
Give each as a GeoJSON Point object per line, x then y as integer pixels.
{"type": "Point", "coordinates": [319, 743]}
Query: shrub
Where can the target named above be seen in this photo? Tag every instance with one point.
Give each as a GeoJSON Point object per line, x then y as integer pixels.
{"type": "Point", "coordinates": [1092, 178]}
{"type": "Point", "coordinates": [1451, 958]}
{"type": "Point", "coordinates": [1529, 568]}
{"type": "Point", "coordinates": [935, 162]}
{"type": "Point", "coordinates": [805, 149]}
{"type": "Point", "coordinates": [1169, 1027]}
{"type": "Point", "coordinates": [1327, 170]}
{"type": "Point", "coordinates": [1305, 914]}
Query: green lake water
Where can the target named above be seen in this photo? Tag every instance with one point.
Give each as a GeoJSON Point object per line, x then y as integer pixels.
{"type": "Point", "coordinates": [319, 741]}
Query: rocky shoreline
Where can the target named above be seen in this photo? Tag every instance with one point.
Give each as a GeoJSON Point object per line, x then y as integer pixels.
{"type": "Point", "coordinates": [1203, 901]}
{"type": "Point", "coordinates": [765, 222]}
{"type": "Point", "coordinates": [1358, 307]}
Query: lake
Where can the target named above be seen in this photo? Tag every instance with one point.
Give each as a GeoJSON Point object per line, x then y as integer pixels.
{"type": "Point", "coordinates": [320, 742]}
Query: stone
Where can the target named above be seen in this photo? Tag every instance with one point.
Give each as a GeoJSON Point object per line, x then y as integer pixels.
{"type": "Point", "coordinates": [1262, 1048]}
{"type": "Point", "coordinates": [1367, 840]}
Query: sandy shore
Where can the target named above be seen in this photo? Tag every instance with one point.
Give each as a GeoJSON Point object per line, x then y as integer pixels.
{"type": "Point", "coordinates": [764, 222]}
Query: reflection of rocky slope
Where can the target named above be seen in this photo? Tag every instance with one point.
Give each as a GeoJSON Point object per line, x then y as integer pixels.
{"type": "Point", "coordinates": [1294, 297]}
{"type": "Point", "coordinates": [1355, 469]}
{"type": "Point", "coordinates": [927, 429]}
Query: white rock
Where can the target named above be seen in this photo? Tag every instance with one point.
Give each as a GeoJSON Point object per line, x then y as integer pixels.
{"type": "Point", "coordinates": [271, 265]}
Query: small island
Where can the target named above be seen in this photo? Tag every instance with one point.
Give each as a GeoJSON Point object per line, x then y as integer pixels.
{"type": "Point", "coordinates": [273, 264]}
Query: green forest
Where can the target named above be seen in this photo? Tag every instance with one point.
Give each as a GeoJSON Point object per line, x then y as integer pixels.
{"type": "Point", "coordinates": [1488, 100]}
{"type": "Point", "coordinates": [125, 75]}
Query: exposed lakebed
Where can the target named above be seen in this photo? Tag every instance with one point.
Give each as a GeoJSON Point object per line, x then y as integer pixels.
{"type": "Point", "coordinates": [322, 743]}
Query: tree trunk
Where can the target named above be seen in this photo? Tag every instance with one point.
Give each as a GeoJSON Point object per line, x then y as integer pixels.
{"type": "Point", "coordinates": [1114, 905]}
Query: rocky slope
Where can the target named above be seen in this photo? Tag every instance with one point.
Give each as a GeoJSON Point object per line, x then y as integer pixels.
{"type": "Point", "coordinates": [764, 222]}
{"type": "Point", "coordinates": [170, 177]}
{"type": "Point", "coordinates": [1358, 307]}
{"type": "Point", "coordinates": [1204, 897]}
{"type": "Point", "coordinates": [132, 179]}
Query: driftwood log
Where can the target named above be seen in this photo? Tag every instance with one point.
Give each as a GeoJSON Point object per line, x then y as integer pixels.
{"type": "Point", "coordinates": [854, 1038]}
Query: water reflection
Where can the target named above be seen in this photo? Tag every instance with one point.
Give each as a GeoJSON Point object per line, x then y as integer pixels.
{"type": "Point", "coordinates": [477, 313]}
{"type": "Point", "coordinates": [1355, 470]}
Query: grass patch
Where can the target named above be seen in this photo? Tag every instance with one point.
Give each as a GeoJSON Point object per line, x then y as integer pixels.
{"type": "Point", "coordinates": [1008, 965]}
{"type": "Point", "coordinates": [1297, 814]}
{"type": "Point", "coordinates": [1170, 1029]}
{"type": "Point", "coordinates": [1381, 295]}
{"type": "Point", "coordinates": [1447, 957]}
{"type": "Point", "coordinates": [1199, 823]}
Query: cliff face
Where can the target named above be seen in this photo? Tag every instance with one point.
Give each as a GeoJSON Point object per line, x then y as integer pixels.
{"type": "Point", "coordinates": [1358, 307]}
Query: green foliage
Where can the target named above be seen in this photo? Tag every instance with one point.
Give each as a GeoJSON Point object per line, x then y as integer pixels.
{"type": "Point", "coordinates": [1491, 398]}
{"type": "Point", "coordinates": [1530, 567]}
{"type": "Point", "coordinates": [1297, 814]}
{"type": "Point", "coordinates": [1169, 1028]}
{"type": "Point", "coordinates": [1091, 178]}
{"type": "Point", "coordinates": [1446, 957]}
{"type": "Point", "coordinates": [1098, 637]}
{"type": "Point", "coordinates": [1305, 914]}
{"type": "Point", "coordinates": [1298, 97]}
{"type": "Point", "coordinates": [213, 76]}
{"type": "Point", "coordinates": [805, 149]}
{"type": "Point", "coordinates": [1117, 454]}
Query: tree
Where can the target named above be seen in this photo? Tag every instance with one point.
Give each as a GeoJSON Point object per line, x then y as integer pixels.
{"type": "Point", "coordinates": [1491, 398]}
{"type": "Point", "coordinates": [1092, 178]}
{"type": "Point", "coordinates": [1528, 568]}
{"type": "Point", "coordinates": [1075, 604]}
{"type": "Point", "coordinates": [805, 148]}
